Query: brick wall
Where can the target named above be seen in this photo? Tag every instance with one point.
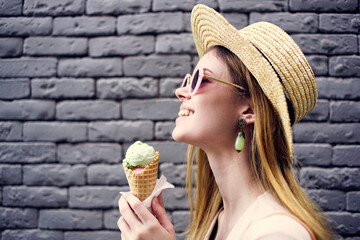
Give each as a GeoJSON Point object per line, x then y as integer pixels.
{"type": "Point", "coordinates": [82, 79]}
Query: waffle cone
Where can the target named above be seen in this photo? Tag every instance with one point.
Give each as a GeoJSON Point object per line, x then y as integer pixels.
{"type": "Point", "coordinates": [142, 183]}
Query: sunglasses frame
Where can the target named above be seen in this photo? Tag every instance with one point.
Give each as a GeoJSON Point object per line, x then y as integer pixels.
{"type": "Point", "coordinates": [189, 78]}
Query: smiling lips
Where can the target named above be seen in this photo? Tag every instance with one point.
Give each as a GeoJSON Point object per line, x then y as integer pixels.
{"type": "Point", "coordinates": [185, 112]}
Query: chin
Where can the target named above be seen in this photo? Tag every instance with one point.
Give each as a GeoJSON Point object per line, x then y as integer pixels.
{"type": "Point", "coordinates": [184, 137]}
{"type": "Point", "coordinates": [178, 136]}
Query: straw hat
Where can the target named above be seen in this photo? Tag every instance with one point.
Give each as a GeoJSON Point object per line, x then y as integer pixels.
{"type": "Point", "coordinates": [272, 57]}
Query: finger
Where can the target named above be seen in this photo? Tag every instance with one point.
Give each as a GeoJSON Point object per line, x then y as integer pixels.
{"type": "Point", "coordinates": [161, 200]}
{"type": "Point", "coordinates": [128, 214]}
{"type": "Point", "coordinates": [123, 227]}
{"type": "Point", "coordinates": [138, 207]}
{"type": "Point", "coordinates": [161, 215]}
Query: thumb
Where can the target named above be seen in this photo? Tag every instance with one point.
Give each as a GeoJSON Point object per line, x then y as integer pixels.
{"type": "Point", "coordinates": [161, 215]}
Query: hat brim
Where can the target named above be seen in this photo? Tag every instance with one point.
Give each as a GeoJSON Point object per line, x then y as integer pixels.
{"type": "Point", "coordinates": [211, 29]}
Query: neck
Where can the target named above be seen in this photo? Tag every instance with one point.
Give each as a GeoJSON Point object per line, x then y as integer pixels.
{"type": "Point", "coordinates": [237, 185]}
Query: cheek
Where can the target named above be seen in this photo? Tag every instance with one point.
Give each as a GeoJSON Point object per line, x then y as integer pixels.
{"type": "Point", "coordinates": [218, 117]}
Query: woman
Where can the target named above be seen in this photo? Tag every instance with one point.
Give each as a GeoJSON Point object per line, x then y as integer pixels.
{"type": "Point", "coordinates": [247, 90]}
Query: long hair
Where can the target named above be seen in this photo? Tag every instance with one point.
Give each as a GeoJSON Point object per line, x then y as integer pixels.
{"type": "Point", "coordinates": [270, 162]}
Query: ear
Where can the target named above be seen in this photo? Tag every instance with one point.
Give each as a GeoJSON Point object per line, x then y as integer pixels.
{"type": "Point", "coordinates": [247, 113]}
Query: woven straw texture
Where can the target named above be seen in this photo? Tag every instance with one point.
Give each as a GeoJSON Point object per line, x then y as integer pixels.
{"type": "Point", "coordinates": [142, 183]}
{"type": "Point", "coordinates": [298, 81]}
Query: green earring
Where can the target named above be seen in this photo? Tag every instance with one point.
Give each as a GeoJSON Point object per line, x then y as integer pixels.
{"type": "Point", "coordinates": [240, 140]}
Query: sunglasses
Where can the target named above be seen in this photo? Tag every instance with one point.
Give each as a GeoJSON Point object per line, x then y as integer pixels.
{"type": "Point", "coordinates": [197, 79]}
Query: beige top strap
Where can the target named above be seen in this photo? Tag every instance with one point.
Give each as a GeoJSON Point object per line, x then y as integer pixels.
{"type": "Point", "coordinates": [296, 219]}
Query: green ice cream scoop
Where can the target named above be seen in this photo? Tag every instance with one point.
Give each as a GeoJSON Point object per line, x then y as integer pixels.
{"type": "Point", "coordinates": [139, 155]}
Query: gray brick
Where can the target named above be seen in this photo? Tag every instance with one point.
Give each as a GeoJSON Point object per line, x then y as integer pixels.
{"type": "Point", "coordinates": [93, 197]}
{"type": "Point", "coordinates": [169, 85]}
{"type": "Point", "coordinates": [10, 8]}
{"type": "Point", "coordinates": [55, 131]}
{"type": "Point", "coordinates": [327, 133]}
{"type": "Point", "coordinates": [337, 88]}
{"type": "Point", "coordinates": [121, 131]}
{"type": "Point", "coordinates": [150, 23]}
{"type": "Point", "coordinates": [88, 67]}
{"type": "Point", "coordinates": [253, 6]}
{"type": "Point", "coordinates": [345, 223]}
{"type": "Point", "coordinates": [163, 130]}
{"type": "Point", "coordinates": [14, 88]}
{"type": "Point", "coordinates": [344, 111]}
{"type": "Point", "coordinates": [175, 199]}
{"type": "Point", "coordinates": [27, 110]}
{"type": "Point", "coordinates": [119, 88]}
{"type": "Point", "coordinates": [11, 47]}
{"type": "Point", "coordinates": [154, 109]}
{"type": "Point", "coordinates": [353, 201]}
{"type": "Point", "coordinates": [321, 6]}
{"type": "Point", "coordinates": [59, 88]}
{"type": "Point", "coordinates": [88, 153]}
{"type": "Point", "coordinates": [175, 43]}
{"type": "Point", "coordinates": [110, 219]}
{"type": "Point", "coordinates": [27, 152]}
{"type": "Point", "coordinates": [180, 236]}
{"type": "Point", "coordinates": [186, 20]}
{"type": "Point", "coordinates": [10, 131]}
{"type": "Point", "coordinates": [326, 44]}
{"type": "Point", "coordinates": [14, 218]}
{"type": "Point", "coordinates": [25, 26]}
{"type": "Point", "coordinates": [53, 7]}
{"type": "Point", "coordinates": [70, 219]}
{"type": "Point", "coordinates": [319, 64]}
{"type": "Point", "coordinates": [238, 20]}
{"type": "Point", "coordinates": [320, 113]}
{"type": "Point", "coordinates": [32, 234]}
{"type": "Point", "coordinates": [313, 154]}
{"type": "Point", "coordinates": [175, 174]}
{"type": "Point", "coordinates": [157, 66]}
{"type": "Point", "coordinates": [114, 7]}
{"type": "Point", "coordinates": [289, 22]}
{"type": "Point", "coordinates": [87, 110]}
{"type": "Point", "coordinates": [172, 152]}
{"type": "Point", "coordinates": [43, 197]}
{"type": "Point", "coordinates": [92, 235]}
{"type": "Point", "coordinates": [50, 46]}
{"type": "Point", "coordinates": [334, 178]}
{"type": "Point", "coordinates": [340, 23]}
{"type": "Point", "coordinates": [174, 5]}
{"type": "Point", "coordinates": [84, 26]}
{"type": "Point", "coordinates": [102, 174]}
{"type": "Point", "coordinates": [181, 220]}
{"type": "Point", "coordinates": [194, 62]}
{"type": "Point", "coordinates": [346, 155]}
{"type": "Point", "coordinates": [344, 66]}
{"type": "Point", "coordinates": [10, 174]}
{"type": "Point", "coordinates": [28, 67]}
{"type": "Point", "coordinates": [54, 175]}
{"type": "Point", "coordinates": [124, 45]}
{"type": "Point", "coordinates": [329, 200]}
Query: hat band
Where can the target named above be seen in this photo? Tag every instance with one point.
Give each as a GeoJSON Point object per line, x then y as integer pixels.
{"type": "Point", "coordinates": [288, 101]}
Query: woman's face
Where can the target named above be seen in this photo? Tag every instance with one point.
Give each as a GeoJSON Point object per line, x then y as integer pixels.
{"type": "Point", "coordinates": [211, 115]}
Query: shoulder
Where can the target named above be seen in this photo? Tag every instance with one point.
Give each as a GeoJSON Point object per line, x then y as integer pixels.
{"type": "Point", "coordinates": [280, 227]}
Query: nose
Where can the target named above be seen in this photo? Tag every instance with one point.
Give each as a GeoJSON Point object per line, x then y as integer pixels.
{"type": "Point", "coordinates": [182, 93]}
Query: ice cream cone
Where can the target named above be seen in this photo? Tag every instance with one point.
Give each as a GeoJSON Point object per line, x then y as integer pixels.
{"type": "Point", "coordinates": [142, 183]}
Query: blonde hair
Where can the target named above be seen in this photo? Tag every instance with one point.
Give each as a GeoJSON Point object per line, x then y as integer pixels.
{"type": "Point", "coordinates": [270, 163]}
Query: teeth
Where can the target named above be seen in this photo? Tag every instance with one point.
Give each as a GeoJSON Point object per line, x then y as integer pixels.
{"type": "Point", "coordinates": [185, 112]}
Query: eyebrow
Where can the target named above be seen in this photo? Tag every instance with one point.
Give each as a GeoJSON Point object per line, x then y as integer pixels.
{"type": "Point", "coordinates": [206, 69]}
